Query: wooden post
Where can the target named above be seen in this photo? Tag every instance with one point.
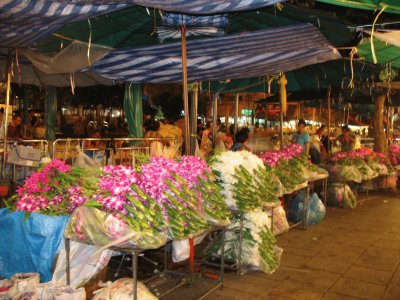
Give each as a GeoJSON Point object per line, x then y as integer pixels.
{"type": "Point", "coordinates": [236, 113]}
{"type": "Point", "coordinates": [193, 118]}
{"type": "Point", "coordinates": [8, 93]}
{"type": "Point", "coordinates": [281, 126]}
{"type": "Point", "coordinates": [215, 115]}
{"type": "Point", "coordinates": [329, 121]}
{"type": "Point", "coordinates": [380, 138]}
{"type": "Point", "coordinates": [185, 90]}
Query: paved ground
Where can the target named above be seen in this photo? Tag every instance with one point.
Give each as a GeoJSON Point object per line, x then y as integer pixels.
{"type": "Point", "coordinates": [352, 254]}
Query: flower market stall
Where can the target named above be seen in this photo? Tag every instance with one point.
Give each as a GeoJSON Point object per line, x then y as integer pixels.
{"type": "Point", "coordinates": [355, 168]}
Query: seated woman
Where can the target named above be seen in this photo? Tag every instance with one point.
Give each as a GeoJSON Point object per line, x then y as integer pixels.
{"type": "Point", "coordinates": [91, 147]}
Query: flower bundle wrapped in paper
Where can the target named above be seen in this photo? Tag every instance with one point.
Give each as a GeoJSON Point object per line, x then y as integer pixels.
{"type": "Point", "coordinates": [247, 183]}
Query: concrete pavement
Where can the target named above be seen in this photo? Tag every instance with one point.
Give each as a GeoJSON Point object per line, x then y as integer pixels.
{"type": "Point", "coordinates": [352, 254]}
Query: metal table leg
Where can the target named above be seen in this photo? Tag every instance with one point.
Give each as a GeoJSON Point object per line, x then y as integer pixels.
{"type": "Point", "coordinates": [239, 271]}
{"type": "Point", "coordinates": [305, 208]}
{"type": "Point", "coordinates": [222, 257]}
{"type": "Point", "coordinates": [67, 249]}
{"type": "Point", "coordinates": [134, 270]}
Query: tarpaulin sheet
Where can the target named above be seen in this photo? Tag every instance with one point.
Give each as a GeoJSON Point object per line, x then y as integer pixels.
{"type": "Point", "coordinates": [31, 245]}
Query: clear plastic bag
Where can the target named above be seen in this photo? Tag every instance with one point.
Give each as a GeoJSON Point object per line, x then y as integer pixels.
{"type": "Point", "coordinates": [366, 172]}
{"type": "Point", "coordinates": [280, 223]}
{"type": "Point", "coordinates": [258, 251]}
{"type": "Point", "coordinates": [180, 249]}
{"type": "Point", "coordinates": [85, 262]}
{"type": "Point", "coordinates": [122, 289]}
{"type": "Point", "coordinates": [84, 161]}
{"type": "Point", "coordinates": [93, 226]}
{"type": "Point", "coordinates": [20, 286]}
{"type": "Point", "coordinates": [52, 292]}
{"type": "Point", "coordinates": [342, 173]}
{"type": "Point", "coordinates": [341, 195]}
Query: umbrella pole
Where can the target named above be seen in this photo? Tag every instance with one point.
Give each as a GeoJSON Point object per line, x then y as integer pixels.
{"type": "Point", "coordinates": [214, 114]}
{"type": "Point", "coordinates": [235, 126]}
{"type": "Point", "coordinates": [194, 105]}
{"type": "Point", "coordinates": [185, 90]}
{"type": "Point", "coordinates": [281, 126]}
{"type": "Point", "coordinates": [329, 121]}
{"type": "Point", "coordinates": [6, 118]}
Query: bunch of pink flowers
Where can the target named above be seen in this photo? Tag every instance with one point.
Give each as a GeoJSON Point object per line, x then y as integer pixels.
{"type": "Point", "coordinates": [394, 154]}
{"type": "Point", "coordinates": [272, 158]}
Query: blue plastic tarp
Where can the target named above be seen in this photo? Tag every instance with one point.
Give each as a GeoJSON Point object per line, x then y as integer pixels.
{"type": "Point", "coordinates": [31, 245]}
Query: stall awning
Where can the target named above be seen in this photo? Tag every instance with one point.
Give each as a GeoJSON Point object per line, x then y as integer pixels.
{"type": "Point", "coordinates": [386, 47]}
{"type": "Point", "coordinates": [25, 22]}
{"type": "Point", "coordinates": [392, 6]}
{"type": "Point", "coordinates": [236, 56]}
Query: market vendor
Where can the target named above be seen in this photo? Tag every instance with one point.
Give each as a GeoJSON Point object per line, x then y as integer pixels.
{"type": "Point", "coordinates": [346, 139]}
{"type": "Point", "coordinates": [301, 137]}
{"type": "Point", "coordinates": [241, 141]}
{"type": "Point", "coordinates": [14, 128]}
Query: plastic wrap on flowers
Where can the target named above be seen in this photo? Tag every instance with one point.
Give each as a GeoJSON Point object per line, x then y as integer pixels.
{"type": "Point", "coordinates": [92, 226]}
{"type": "Point", "coordinates": [341, 195]}
{"type": "Point", "coordinates": [247, 183]}
{"type": "Point", "coordinates": [314, 172]}
{"type": "Point", "coordinates": [343, 173]}
{"type": "Point", "coordinates": [280, 223]}
{"type": "Point", "coordinates": [122, 289]}
{"type": "Point", "coordinates": [379, 168]}
{"type": "Point", "coordinates": [291, 176]}
{"type": "Point", "coordinates": [366, 172]}
{"type": "Point", "coordinates": [259, 250]}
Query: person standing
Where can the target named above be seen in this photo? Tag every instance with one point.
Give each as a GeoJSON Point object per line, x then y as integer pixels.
{"type": "Point", "coordinates": [301, 137]}
{"type": "Point", "coordinates": [346, 139]}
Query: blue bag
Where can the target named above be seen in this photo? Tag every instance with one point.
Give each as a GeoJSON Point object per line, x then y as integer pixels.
{"type": "Point", "coordinates": [29, 246]}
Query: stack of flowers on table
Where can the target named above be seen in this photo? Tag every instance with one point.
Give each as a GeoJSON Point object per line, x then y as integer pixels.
{"type": "Point", "coordinates": [248, 187]}
{"type": "Point", "coordinates": [163, 198]}
{"type": "Point", "coordinates": [358, 165]}
{"type": "Point", "coordinates": [394, 151]}
{"type": "Point", "coordinates": [288, 166]}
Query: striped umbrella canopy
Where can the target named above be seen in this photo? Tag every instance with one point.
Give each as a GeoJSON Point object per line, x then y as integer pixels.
{"type": "Point", "coordinates": [230, 57]}
{"type": "Point", "coordinates": [25, 22]}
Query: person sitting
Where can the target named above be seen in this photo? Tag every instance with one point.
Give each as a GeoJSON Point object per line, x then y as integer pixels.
{"type": "Point", "coordinates": [14, 128]}
{"type": "Point", "coordinates": [346, 139]}
{"type": "Point", "coordinates": [206, 146]}
{"type": "Point", "coordinates": [92, 146]}
{"type": "Point", "coordinates": [241, 141]}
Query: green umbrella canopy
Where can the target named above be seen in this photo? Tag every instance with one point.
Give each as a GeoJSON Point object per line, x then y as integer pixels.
{"type": "Point", "coordinates": [385, 52]}
{"type": "Point", "coordinates": [393, 6]}
{"type": "Point", "coordinates": [332, 73]}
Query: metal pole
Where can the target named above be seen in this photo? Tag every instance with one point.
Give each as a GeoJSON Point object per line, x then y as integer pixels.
{"type": "Point", "coordinates": [329, 121]}
{"type": "Point", "coordinates": [214, 113]}
{"type": "Point", "coordinates": [236, 113]}
{"type": "Point", "coordinates": [134, 271]}
{"type": "Point", "coordinates": [6, 112]}
{"type": "Point", "coordinates": [185, 90]}
{"type": "Point", "coordinates": [193, 118]}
